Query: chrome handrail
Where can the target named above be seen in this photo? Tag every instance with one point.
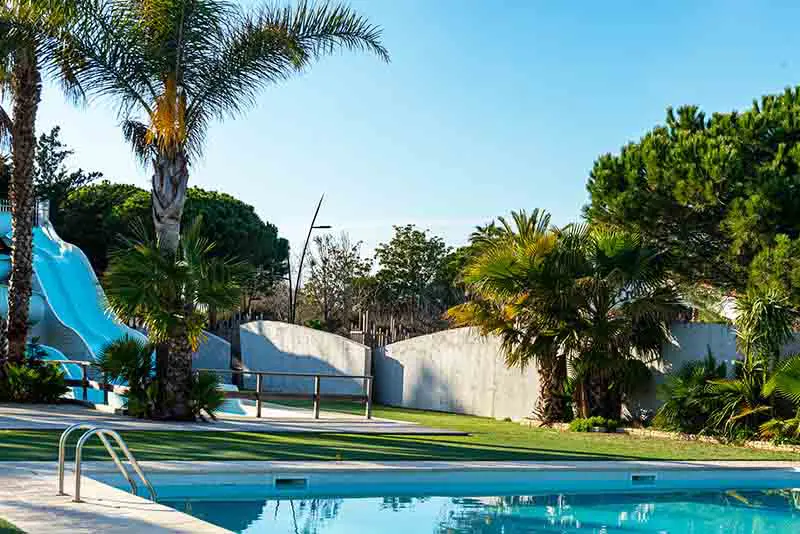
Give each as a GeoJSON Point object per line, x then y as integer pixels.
{"type": "Point", "coordinates": [62, 444]}
{"type": "Point", "coordinates": [102, 434]}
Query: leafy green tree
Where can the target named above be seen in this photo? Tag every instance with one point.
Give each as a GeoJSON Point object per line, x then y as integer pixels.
{"type": "Point", "coordinates": [177, 66]}
{"type": "Point", "coordinates": [416, 277]}
{"type": "Point", "coordinates": [97, 216]}
{"type": "Point", "coordinates": [238, 231]}
{"type": "Point", "coordinates": [52, 179]}
{"type": "Point", "coordinates": [714, 191]}
{"type": "Point", "coordinates": [335, 267]}
{"type": "Point", "coordinates": [168, 294]}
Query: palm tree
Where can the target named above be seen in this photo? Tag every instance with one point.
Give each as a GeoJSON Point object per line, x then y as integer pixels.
{"type": "Point", "coordinates": [175, 66]}
{"type": "Point", "coordinates": [33, 39]}
{"type": "Point", "coordinates": [764, 383]}
{"type": "Point", "coordinates": [513, 293]}
{"type": "Point", "coordinates": [170, 293]}
{"type": "Point", "coordinates": [595, 299]}
{"type": "Point", "coordinates": [623, 303]}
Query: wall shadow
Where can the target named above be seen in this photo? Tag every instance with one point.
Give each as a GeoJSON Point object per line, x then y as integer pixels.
{"type": "Point", "coordinates": [270, 357]}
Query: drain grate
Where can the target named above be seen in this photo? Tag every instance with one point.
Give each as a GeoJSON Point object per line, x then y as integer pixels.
{"type": "Point", "coordinates": [291, 483]}
{"type": "Point", "coordinates": [643, 479]}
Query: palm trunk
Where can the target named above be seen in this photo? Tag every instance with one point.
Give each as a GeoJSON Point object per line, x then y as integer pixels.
{"type": "Point", "coordinates": [26, 88]}
{"type": "Point", "coordinates": [170, 179]}
{"type": "Point", "coordinates": [552, 406]}
{"type": "Point", "coordinates": [603, 401]}
{"type": "Point", "coordinates": [178, 379]}
{"type": "Point", "coordinates": [174, 365]}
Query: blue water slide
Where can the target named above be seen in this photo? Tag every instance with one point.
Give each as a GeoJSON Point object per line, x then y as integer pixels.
{"type": "Point", "coordinates": [72, 291]}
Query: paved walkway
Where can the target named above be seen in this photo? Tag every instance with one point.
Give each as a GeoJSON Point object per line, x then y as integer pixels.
{"type": "Point", "coordinates": [28, 499]}
{"type": "Point", "coordinates": [275, 419]}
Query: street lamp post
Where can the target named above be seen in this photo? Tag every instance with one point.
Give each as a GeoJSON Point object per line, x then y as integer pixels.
{"type": "Point", "coordinates": [293, 297]}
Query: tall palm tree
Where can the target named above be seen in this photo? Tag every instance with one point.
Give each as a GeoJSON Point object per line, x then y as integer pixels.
{"type": "Point", "coordinates": [175, 66]}
{"type": "Point", "coordinates": [170, 294]}
{"type": "Point", "coordinates": [513, 293]}
{"type": "Point", "coordinates": [33, 40]}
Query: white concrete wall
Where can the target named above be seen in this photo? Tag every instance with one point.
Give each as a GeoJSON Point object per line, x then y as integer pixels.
{"type": "Point", "coordinates": [692, 342]}
{"type": "Point", "coordinates": [454, 371]}
{"type": "Point", "coordinates": [284, 347]}
{"type": "Point", "coordinates": [213, 353]}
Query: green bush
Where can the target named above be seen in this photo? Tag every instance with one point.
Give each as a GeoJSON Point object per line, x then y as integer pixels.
{"type": "Point", "coordinates": [689, 398]}
{"type": "Point", "coordinates": [131, 361]}
{"type": "Point", "coordinates": [587, 424]}
{"type": "Point", "coordinates": [205, 394]}
{"type": "Point", "coordinates": [32, 381]}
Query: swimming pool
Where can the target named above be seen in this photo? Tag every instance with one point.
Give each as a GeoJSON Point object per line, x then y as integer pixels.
{"type": "Point", "coordinates": [728, 512]}
{"type": "Point", "coordinates": [507, 498]}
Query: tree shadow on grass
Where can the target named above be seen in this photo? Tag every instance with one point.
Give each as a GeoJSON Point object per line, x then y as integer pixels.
{"type": "Point", "coordinates": [42, 445]}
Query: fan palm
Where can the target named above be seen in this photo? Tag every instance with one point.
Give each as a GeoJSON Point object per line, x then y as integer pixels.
{"type": "Point", "coordinates": [511, 287]}
{"type": "Point", "coordinates": [169, 293]}
{"type": "Point", "coordinates": [33, 41]}
{"type": "Point", "coordinates": [175, 66]}
{"type": "Point", "coordinates": [597, 299]}
{"type": "Point", "coordinates": [622, 303]}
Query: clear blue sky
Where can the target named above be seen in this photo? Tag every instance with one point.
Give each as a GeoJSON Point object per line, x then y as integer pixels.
{"type": "Point", "coordinates": [487, 106]}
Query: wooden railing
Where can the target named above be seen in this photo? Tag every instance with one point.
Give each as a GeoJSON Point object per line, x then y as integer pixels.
{"type": "Point", "coordinates": [259, 395]}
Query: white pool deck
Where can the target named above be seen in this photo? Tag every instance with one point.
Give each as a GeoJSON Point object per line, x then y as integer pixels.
{"type": "Point", "coordinates": [28, 498]}
{"type": "Point", "coordinates": [275, 419]}
{"type": "Point", "coordinates": [28, 489]}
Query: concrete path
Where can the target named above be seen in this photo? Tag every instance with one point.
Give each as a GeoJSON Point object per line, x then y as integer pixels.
{"type": "Point", "coordinates": [276, 419]}
{"type": "Point", "coordinates": [28, 499]}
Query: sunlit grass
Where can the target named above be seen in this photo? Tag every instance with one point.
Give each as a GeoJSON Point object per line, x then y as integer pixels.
{"type": "Point", "coordinates": [488, 439]}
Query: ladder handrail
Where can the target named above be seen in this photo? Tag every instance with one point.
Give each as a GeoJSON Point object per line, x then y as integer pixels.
{"type": "Point", "coordinates": [102, 434]}
{"type": "Point", "coordinates": [62, 445]}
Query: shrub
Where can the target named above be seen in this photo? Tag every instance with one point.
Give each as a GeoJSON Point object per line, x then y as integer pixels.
{"type": "Point", "coordinates": [689, 400]}
{"type": "Point", "coordinates": [32, 381]}
{"type": "Point", "coordinates": [782, 430]}
{"type": "Point", "coordinates": [587, 424]}
{"type": "Point", "coordinates": [131, 361]}
{"type": "Point", "coordinates": [206, 395]}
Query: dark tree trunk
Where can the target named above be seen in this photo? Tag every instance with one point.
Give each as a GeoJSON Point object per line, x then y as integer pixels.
{"type": "Point", "coordinates": [26, 90]}
{"type": "Point", "coordinates": [176, 385]}
{"type": "Point", "coordinates": [552, 407]}
{"type": "Point", "coordinates": [170, 180]}
{"type": "Point", "coordinates": [603, 400]}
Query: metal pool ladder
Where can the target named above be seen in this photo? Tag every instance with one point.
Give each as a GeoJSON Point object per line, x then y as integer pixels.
{"type": "Point", "coordinates": [103, 434]}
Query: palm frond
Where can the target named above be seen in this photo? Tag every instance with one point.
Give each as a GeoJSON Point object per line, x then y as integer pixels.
{"type": "Point", "coordinates": [785, 381]}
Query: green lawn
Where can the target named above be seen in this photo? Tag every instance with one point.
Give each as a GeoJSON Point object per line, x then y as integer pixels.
{"type": "Point", "coordinates": [488, 440]}
{"type": "Point", "coordinates": [8, 528]}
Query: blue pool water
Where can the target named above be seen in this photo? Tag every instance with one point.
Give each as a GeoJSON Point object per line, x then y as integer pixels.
{"type": "Point", "coordinates": [707, 512]}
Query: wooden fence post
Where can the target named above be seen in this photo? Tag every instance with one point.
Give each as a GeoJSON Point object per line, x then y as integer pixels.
{"type": "Point", "coordinates": [316, 396]}
{"type": "Point", "coordinates": [259, 378]}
